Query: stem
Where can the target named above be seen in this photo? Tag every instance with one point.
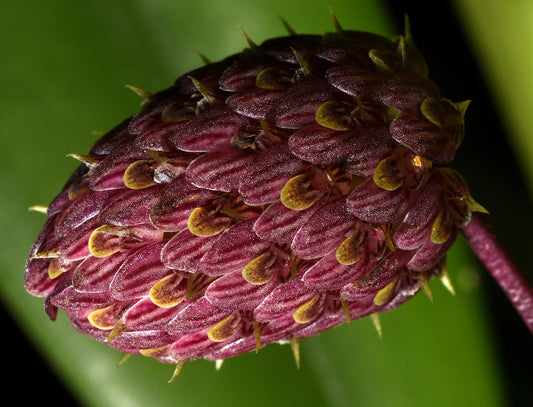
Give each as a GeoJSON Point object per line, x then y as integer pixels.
{"type": "Point", "coordinates": [500, 264]}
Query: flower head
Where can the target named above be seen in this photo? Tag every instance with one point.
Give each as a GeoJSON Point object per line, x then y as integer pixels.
{"type": "Point", "coordinates": [268, 197]}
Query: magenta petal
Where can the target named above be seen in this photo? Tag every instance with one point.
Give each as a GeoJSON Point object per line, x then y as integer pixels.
{"type": "Point", "coordinates": [209, 131]}
{"type": "Point", "coordinates": [329, 274]}
{"type": "Point", "coordinates": [220, 170]}
{"type": "Point", "coordinates": [367, 150]}
{"type": "Point", "coordinates": [47, 238]}
{"type": "Point", "coordinates": [280, 328]}
{"type": "Point", "coordinates": [254, 103]}
{"type": "Point", "coordinates": [406, 91]}
{"type": "Point", "coordinates": [407, 288]}
{"type": "Point", "coordinates": [415, 228]}
{"type": "Point", "coordinates": [75, 245]}
{"type": "Point", "coordinates": [240, 76]}
{"type": "Point", "coordinates": [363, 307]}
{"type": "Point", "coordinates": [94, 274]}
{"type": "Point", "coordinates": [157, 136]}
{"type": "Point", "coordinates": [283, 300]}
{"type": "Point", "coordinates": [196, 316]}
{"type": "Point", "coordinates": [176, 202]}
{"type": "Point", "coordinates": [233, 348]}
{"type": "Point", "coordinates": [184, 251]}
{"type": "Point", "coordinates": [429, 255]}
{"type": "Point", "coordinates": [109, 173]}
{"type": "Point", "coordinates": [357, 82]}
{"type": "Point", "coordinates": [84, 207]}
{"type": "Point", "coordinates": [298, 106]}
{"type": "Point", "coordinates": [127, 207]}
{"type": "Point", "coordinates": [320, 145]}
{"type": "Point", "coordinates": [232, 292]}
{"type": "Point", "coordinates": [58, 204]}
{"type": "Point", "coordinates": [136, 340]}
{"type": "Point", "coordinates": [424, 138]}
{"type": "Point", "coordinates": [36, 279]}
{"type": "Point", "coordinates": [145, 315]}
{"type": "Point", "coordinates": [324, 231]}
{"type": "Point", "coordinates": [389, 269]}
{"type": "Point", "coordinates": [139, 272]}
{"type": "Point", "coordinates": [268, 174]}
{"type": "Point", "coordinates": [376, 205]}
{"type": "Point", "coordinates": [117, 136]}
{"type": "Point", "coordinates": [70, 299]}
{"type": "Point", "coordinates": [233, 249]}
{"type": "Point", "coordinates": [280, 224]}
{"type": "Point", "coordinates": [195, 345]}
{"type": "Point", "coordinates": [355, 55]}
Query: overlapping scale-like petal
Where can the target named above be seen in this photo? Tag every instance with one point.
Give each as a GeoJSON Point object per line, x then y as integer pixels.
{"type": "Point", "coordinates": [268, 174]}
{"type": "Point", "coordinates": [233, 249]}
{"type": "Point", "coordinates": [324, 230]}
{"type": "Point", "coordinates": [376, 205]}
{"type": "Point", "coordinates": [219, 170]}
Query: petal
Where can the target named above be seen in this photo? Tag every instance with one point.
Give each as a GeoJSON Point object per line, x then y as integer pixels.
{"type": "Point", "coordinates": [193, 346]}
{"type": "Point", "coordinates": [429, 255]}
{"type": "Point", "coordinates": [424, 138]}
{"type": "Point", "coordinates": [95, 274]}
{"type": "Point", "coordinates": [173, 207]}
{"type": "Point", "coordinates": [268, 174]}
{"type": "Point", "coordinates": [329, 274]}
{"type": "Point", "coordinates": [184, 251]}
{"type": "Point", "coordinates": [209, 131]}
{"type": "Point", "coordinates": [130, 207]}
{"type": "Point", "coordinates": [233, 292]}
{"type": "Point", "coordinates": [109, 173]}
{"type": "Point", "coordinates": [283, 301]}
{"type": "Point", "coordinates": [254, 103]}
{"type": "Point", "coordinates": [386, 272]}
{"type": "Point", "coordinates": [416, 226]}
{"type": "Point", "coordinates": [157, 136]}
{"type": "Point", "coordinates": [280, 224]}
{"type": "Point", "coordinates": [75, 245]}
{"type": "Point", "coordinates": [324, 230]}
{"type": "Point", "coordinates": [196, 316]}
{"type": "Point", "coordinates": [321, 145]}
{"type": "Point", "coordinates": [37, 280]}
{"type": "Point", "coordinates": [240, 76]}
{"type": "Point", "coordinates": [355, 81]}
{"type": "Point", "coordinates": [145, 315]}
{"type": "Point", "coordinates": [299, 104]}
{"type": "Point", "coordinates": [139, 272]}
{"type": "Point", "coordinates": [233, 249]}
{"type": "Point", "coordinates": [406, 91]}
{"type": "Point", "coordinates": [133, 341]}
{"type": "Point", "coordinates": [70, 299]}
{"type": "Point", "coordinates": [219, 170]}
{"type": "Point", "coordinates": [376, 205]}
{"type": "Point", "coordinates": [367, 150]}
{"type": "Point", "coordinates": [84, 207]}
{"type": "Point", "coordinates": [112, 139]}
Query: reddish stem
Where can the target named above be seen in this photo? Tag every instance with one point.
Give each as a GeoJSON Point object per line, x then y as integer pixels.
{"type": "Point", "coordinates": [499, 263]}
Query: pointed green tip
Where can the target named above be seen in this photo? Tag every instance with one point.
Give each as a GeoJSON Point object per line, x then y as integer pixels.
{"type": "Point", "coordinates": [177, 371]}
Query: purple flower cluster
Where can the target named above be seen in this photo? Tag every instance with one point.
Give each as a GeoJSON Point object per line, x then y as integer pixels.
{"type": "Point", "coordinates": [264, 198]}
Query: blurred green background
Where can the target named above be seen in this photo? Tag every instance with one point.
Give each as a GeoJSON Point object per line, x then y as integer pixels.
{"type": "Point", "coordinates": [62, 76]}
